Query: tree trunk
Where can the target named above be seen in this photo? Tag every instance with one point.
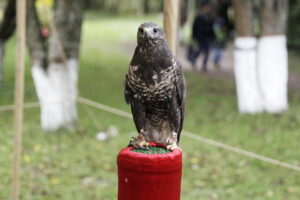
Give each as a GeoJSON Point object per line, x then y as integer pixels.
{"type": "Point", "coordinates": [273, 17]}
{"type": "Point", "coordinates": [56, 82]}
{"type": "Point", "coordinates": [35, 41]}
{"type": "Point", "coordinates": [7, 28]}
{"type": "Point", "coordinates": [183, 12]}
{"type": "Point", "coordinates": [273, 56]}
{"type": "Point", "coordinates": [248, 92]}
{"type": "Point", "coordinates": [243, 18]}
{"type": "Point", "coordinates": [146, 7]}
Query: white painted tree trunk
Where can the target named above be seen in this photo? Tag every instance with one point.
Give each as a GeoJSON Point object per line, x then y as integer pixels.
{"type": "Point", "coordinates": [245, 64]}
{"type": "Point", "coordinates": [57, 92]}
{"type": "Point", "coordinates": [273, 72]}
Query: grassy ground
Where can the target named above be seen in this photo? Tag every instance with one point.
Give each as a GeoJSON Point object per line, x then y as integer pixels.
{"type": "Point", "coordinates": [294, 60]}
{"type": "Point", "coordinates": [75, 166]}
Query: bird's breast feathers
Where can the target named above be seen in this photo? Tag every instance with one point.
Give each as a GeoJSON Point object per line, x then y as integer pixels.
{"type": "Point", "coordinates": [159, 86]}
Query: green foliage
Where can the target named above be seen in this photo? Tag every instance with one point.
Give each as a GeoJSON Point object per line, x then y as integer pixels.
{"type": "Point", "coordinates": [125, 6]}
{"type": "Point", "coordinates": [293, 23]}
{"type": "Point", "coordinates": [75, 166]}
{"type": "Point", "coordinates": [45, 12]}
{"type": "Point", "coordinates": [294, 60]}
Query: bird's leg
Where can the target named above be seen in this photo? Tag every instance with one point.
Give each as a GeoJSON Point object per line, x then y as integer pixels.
{"type": "Point", "coordinates": [172, 142]}
{"type": "Point", "coordinates": [139, 142]}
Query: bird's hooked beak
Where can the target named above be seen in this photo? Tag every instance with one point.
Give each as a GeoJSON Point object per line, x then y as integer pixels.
{"type": "Point", "coordinates": [147, 32]}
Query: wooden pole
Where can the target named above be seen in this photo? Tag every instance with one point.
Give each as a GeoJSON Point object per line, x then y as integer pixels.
{"type": "Point", "coordinates": [19, 96]}
{"type": "Point", "coordinates": [171, 17]}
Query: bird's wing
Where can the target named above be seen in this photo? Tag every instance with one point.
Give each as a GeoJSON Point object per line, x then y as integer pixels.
{"type": "Point", "coordinates": [177, 103]}
{"type": "Point", "coordinates": [180, 87]}
{"type": "Point", "coordinates": [181, 95]}
{"type": "Point", "coordinates": [128, 94]}
{"type": "Point", "coordinates": [139, 115]}
{"type": "Point", "coordinates": [137, 108]}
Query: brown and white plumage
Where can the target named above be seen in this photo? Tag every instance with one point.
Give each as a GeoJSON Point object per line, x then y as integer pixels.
{"type": "Point", "coordinates": [155, 87]}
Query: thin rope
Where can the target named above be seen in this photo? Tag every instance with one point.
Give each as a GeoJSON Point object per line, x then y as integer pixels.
{"type": "Point", "coordinates": [239, 151]}
{"type": "Point", "coordinates": [185, 133]}
{"type": "Point", "coordinates": [12, 107]}
{"type": "Point", "coordinates": [197, 137]}
{"type": "Point", "coordinates": [91, 115]}
{"type": "Point", "coordinates": [105, 107]}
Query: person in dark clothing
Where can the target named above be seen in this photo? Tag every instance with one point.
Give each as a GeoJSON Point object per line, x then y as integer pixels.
{"type": "Point", "coordinates": [203, 34]}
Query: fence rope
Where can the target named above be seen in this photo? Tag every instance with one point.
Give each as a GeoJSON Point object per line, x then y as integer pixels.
{"type": "Point", "coordinates": [187, 134]}
{"type": "Point", "coordinates": [239, 151]}
{"type": "Point", "coordinates": [104, 107]}
{"type": "Point", "coordinates": [196, 137]}
{"type": "Point", "coordinates": [12, 107]}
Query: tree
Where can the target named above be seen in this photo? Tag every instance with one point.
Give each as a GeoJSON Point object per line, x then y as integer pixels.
{"type": "Point", "coordinates": [146, 6]}
{"type": "Point", "coordinates": [249, 99]}
{"type": "Point", "coordinates": [55, 62]}
{"type": "Point", "coordinates": [261, 67]}
{"type": "Point", "coordinates": [272, 55]}
{"type": "Point", "coordinates": [7, 28]}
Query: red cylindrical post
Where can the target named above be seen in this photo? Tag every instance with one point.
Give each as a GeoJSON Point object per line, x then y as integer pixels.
{"type": "Point", "coordinates": [149, 176]}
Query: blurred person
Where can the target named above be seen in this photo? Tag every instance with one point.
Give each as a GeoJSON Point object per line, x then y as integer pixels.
{"type": "Point", "coordinates": [219, 42]}
{"type": "Point", "coordinates": [202, 34]}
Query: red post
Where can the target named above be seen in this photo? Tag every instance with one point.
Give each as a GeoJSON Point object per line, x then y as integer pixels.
{"type": "Point", "coordinates": [149, 176]}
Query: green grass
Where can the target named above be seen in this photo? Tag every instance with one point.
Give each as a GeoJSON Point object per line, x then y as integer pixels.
{"type": "Point", "coordinates": [75, 166]}
{"type": "Point", "coordinates": [294, 60]}
{"type": "Point", "coordinates": [151, 150]}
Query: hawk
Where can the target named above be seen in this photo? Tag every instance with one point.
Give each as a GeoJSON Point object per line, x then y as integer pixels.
{"type": "Point", "coordinates": [155, 90]}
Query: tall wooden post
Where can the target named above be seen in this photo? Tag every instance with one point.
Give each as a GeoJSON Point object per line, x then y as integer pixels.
{"type": "Point", "coordinates": [171, 17]}
{"type": "Point", "coordinates": [19, 96]}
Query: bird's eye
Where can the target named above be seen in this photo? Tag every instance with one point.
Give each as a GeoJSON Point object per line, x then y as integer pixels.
{"type": "Point", "coordinates": [155, 30]}
{"type": "Point", "coordinates": [141, 30]}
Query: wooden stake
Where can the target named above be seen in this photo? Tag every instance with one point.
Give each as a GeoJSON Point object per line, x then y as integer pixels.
{"type": "Point", "coordinates": [171, 15]}
{"type": "Point", "coordinates": [19, 96]}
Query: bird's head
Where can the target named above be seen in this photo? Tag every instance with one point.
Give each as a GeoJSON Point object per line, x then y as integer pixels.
{"type": "Point", "coordinates": [149, 32]}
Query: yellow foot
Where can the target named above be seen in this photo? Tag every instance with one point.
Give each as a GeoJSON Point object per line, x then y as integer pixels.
{"type": "Point", "coordinates": [139, 142]}
{"type": "Point", "coordinates": [172, 147]}
{"type": "Point", "coordinates": [172, 142]}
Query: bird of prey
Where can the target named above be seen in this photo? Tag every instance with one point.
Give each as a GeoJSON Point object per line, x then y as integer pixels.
{"type": "Point", "coordinates": [155, 90]}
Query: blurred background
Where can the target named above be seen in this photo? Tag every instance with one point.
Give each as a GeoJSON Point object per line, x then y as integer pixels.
{"type": "Point", "coordinates": [241, 62]}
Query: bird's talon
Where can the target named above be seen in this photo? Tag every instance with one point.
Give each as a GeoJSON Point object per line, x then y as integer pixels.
{"type": "Point", "coordinates": [139, 142]}
{"type": "Point", "coordinates": [144, 145]}
{"type": "Point", "coordinates": [172, 147]}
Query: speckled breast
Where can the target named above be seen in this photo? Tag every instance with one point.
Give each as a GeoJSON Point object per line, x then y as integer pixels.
{"type": "Point", "coordinates": [159, 90]}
